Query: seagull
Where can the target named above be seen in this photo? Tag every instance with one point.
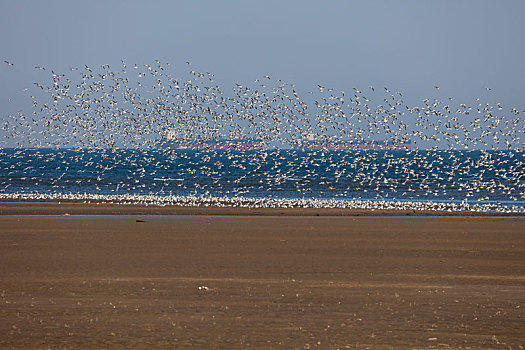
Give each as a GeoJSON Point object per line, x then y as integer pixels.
{"type": "Point", "coordinates": [126, 113]}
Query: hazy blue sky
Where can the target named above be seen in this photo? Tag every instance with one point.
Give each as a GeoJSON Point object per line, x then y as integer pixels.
{"type": "Point", "coordinates": [410, 46]}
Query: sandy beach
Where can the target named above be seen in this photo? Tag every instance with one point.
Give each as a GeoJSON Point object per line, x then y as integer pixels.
{"type": "Point", "coordinates": [268, 280]}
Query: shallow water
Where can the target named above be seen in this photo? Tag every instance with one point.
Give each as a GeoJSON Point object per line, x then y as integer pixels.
{"type": "Point", "coordinates": [493, 178]}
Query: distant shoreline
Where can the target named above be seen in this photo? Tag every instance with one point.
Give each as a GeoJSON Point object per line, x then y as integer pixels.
{"type": "Point", "coordinates": [70, 207]}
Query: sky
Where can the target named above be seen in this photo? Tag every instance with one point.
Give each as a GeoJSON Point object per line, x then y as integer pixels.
{"type": "Point", "coordinates": [408, 45]}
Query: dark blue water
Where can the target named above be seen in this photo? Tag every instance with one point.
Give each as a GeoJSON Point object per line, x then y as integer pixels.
{"type": "Point", "coordinates": [442, 176]}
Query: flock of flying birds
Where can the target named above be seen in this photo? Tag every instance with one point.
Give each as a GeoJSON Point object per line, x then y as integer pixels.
{"type": "Point", "coordinates": [135, 105]}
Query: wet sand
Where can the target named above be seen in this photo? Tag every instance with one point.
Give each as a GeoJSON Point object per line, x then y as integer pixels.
{"type": "Point", "coordinates": [266, 282]}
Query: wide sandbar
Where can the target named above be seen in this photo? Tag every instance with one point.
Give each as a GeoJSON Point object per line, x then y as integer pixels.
{"type": "Point", "coordinates": [266, 282]}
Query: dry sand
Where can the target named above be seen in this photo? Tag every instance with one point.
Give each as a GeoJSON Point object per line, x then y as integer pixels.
{"type": "Point", "coordinates": [271, 282]}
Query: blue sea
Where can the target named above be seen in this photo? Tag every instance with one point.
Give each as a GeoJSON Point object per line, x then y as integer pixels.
{"type": "Point", "coordinates": [493, 178]}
